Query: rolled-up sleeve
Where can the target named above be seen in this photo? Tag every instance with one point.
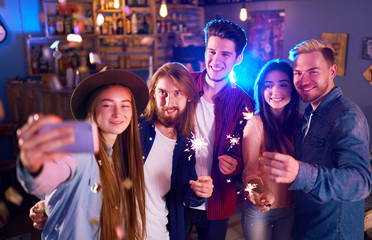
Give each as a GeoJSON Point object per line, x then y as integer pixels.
{"type": "Point", "coordinates": [53, 173]}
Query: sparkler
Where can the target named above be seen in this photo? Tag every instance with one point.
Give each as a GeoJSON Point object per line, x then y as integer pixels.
{"type": "Point", "coordinates": [198, 142]}
{"type": "Point", "coordinates": [247, 114]}
{"type": "Point", "coordinates": [249, 188]}
{"type": "Point", "coordinates": [233, 141]}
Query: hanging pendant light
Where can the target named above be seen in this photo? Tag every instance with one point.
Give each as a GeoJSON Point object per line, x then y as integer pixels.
{"type": "Point", "coordinates": [116, 4]}
{"type": "Point", "coordinates": [100, 19]}
{"type": "Point", "coordinates": [163, 9]}
{"type": "Point", "coordinates": [243, 13]}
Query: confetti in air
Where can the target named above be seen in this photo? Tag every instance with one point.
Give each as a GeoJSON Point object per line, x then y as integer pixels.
{"type": "Point", "coordinates": [93, 221]}
{"type": "Point", "coordinates": [95, 188]}
{"type": "Point", "coordinates": [127, 184]}
{"type": "Point", "coordinates": [13, 196]}
{"type": "Point", "coordinates": [120, 233]}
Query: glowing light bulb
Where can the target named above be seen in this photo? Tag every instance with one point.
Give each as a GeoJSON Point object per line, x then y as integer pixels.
{"type": "Point", "coordinates": [163, 9]}
{"type": "Point", "coordinates": [74, 38]}
{"type": "Point", "coordinates": [116, 4]}
{"type": "Point", "coordinates": [100, 19]}
{"type": "Point", "coordinates": [243, 14]}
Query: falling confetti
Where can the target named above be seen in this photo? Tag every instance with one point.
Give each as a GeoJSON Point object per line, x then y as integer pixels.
{"type": "Point", "coordinates": [93, 221]}
{"type": "Point", "coordinates": [120, 233]}
{"type": "Point", "coordinates": [95, 188]}
{"type": "Point", "coordinates": [13, 196]}
{"type": "Point", "coordinates": [127, 184]}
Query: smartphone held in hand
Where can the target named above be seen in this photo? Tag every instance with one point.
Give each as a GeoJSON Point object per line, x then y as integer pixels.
{"type": "Point", "coordinates": [86, 136]}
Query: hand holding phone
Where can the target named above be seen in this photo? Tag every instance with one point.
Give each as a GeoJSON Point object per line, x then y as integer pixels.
{"type": "Point", "coordinates": [86, 136]}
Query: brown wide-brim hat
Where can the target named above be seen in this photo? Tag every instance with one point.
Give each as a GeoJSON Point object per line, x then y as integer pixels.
{"type": "Point", "coordinates": [80, 96]}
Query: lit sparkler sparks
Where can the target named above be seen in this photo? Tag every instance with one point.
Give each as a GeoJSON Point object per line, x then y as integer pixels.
{"type": "Point", "coordinates": [247, 114]}
{"type": "Point", "coordinates": [249, 188]}
{"type": "Point", "coordinates": [198, 142]}
{"type": "Point", "coordinates": [233, 141]}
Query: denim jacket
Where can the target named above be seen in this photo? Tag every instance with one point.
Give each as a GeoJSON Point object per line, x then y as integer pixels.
{"type": "Point", "coordinates": [183, 170]}
{"type": "Point", "coordinates": [335, 174]}
{"type": "Point", "coordinates": [70, 202]}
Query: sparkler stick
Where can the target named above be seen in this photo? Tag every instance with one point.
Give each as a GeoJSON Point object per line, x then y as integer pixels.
{"type": "Point", "coordinates": [197, 143]}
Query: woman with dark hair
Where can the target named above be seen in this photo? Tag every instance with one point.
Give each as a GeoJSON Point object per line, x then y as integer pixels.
{"type": "Point", "coordinates": [85, 194]}
{"type": "Point", "coordinates": [268, 211]}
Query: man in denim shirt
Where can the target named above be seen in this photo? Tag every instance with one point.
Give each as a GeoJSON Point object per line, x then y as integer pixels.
{"type": "Point", "coordinates": [332, 175]}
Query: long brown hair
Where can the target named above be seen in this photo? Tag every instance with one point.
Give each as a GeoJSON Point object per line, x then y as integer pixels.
{"type": "Point", "coordinates": [121, 206]}
{"type": "Point", "coordinates": [184, 81]}
{"type": "Point", "coordinates": [276, 130]}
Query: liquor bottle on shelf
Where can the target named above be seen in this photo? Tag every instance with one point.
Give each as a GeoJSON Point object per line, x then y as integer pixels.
{"type": "Point", "coordinates": [67, 25]}
{"type": "Point", "coordinates": [105, 27]}
{"type": "Point", "coordinates": [43, 63]}
{"type": "Point", "coordinates": [74, 23]}
{"type": "Point", "coordinates": [51, 28]}
{"type": "Point", "coordinates": [34, 61]}
{"type": "Point", "coordinates": [88, 22]}
{"type": "Point", "coordinates": [59, 24]}
{"type": "Point", "coordinates": [128, 25]}
{"type": "Point", "coordinates": [134, 23]}
{"type": "Point", "coordinates": [150, 26]}
{"type": "Point", "coordinates": [120, 25]}
{"type": "Point", "coordinates": [114, 24]}
{"type": "Point", "coordinates": [102, 4]}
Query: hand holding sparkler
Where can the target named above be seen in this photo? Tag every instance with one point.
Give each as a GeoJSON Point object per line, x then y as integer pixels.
{"type": "Point", "coordinates": [233, 141]}
{"type": "Point", "coordinates": [262, 199]}
{"type": "Point", "coordinates": [227, 164]}
{"type": "Point", "coordinates": [203, 187]}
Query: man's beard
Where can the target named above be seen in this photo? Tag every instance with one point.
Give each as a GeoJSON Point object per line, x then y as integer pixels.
{"type": "Point", "coordinates": [169, 121]}
{"type": "Point", "coordinates": [216, 80]}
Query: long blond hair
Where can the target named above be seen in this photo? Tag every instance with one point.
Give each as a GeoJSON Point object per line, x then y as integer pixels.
{"type": "Point", "coordinates": [121, 206]}
{"type": "Point", "coordinates": [184, 81]}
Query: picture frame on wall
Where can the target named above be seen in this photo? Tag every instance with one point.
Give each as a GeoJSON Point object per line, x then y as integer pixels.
{"type": "Point", "coordinates": [367, 48]}
{"type": "Point", "coordinates": [339, 43]}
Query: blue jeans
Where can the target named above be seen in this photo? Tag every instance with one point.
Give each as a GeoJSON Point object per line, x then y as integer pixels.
{"type": "Point", "coordinates": [275, 224]}
{"type": "Point", "coordinates": [207, 229]}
